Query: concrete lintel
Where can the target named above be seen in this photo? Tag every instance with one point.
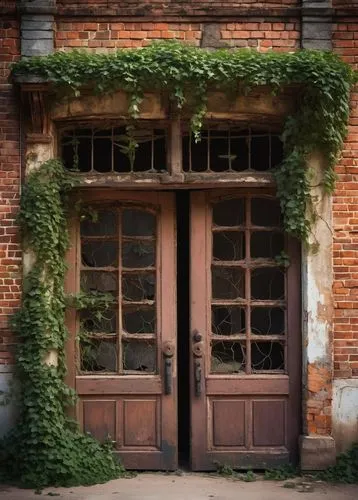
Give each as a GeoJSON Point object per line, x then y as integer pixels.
{"type": "Point", "coordinates": [317, 44]}
{"type": "Point", "coordinates": [317, 452]}
{"type": "Point", "coordinates": [41, 47]}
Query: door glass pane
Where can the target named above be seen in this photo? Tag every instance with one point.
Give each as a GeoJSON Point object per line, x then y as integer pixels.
{"type": "Point", "coordinates": [99, 253]}
{"type": "Point", "coordinates": [138, 254]}
{"type": "Point", "coordinates": [98, 355]}
{"type": "Point", "coordinates": [137, 222]}
{"type": "Point", "coordinates": [267, 283]}
{"type": "Point", "coordinates": [266, 212]}
{"type": "Point", "coordinates": [139, 319]}
{"type": "Point", "coordinates": [227, 357]}
{"type": "Point", "coordinates": [138, 287]}
{"type": "Point", "coordinates": [229, 212]}
{"type": "Point", "coordinates": [229, 245]}
{"type": "Point", "coordinates": [99, 321]}
{"type": "Point", "coordinates": [139, 356]}
{"type": "Point", "coordinates": [99, 281]}
{"type": "Point", "coordinates": [267, 321]}
{"type": "Point", "coordinates": [228, 283]}
{"type": "Point", "coordinates": [267, 356]}
{"type": "Point", "coordinates": [266, 244]}
{"type": "Point", "coordinates": [103, 223]}
{"type": "Point", "coordinates": [227, 320]}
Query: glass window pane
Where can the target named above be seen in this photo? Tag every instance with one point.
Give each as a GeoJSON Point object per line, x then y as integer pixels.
{"type": "Point", "coordinates": [99, 281]}
{"type": "Point", "coordinates": [229, 245]}
{"type": "Point", "coordinates": [228, 283]}
{"type": "Point", "coordinates": [228, 320]}
{"type": "Point", "coordinates": [104, 224]}
{"type": "Point", "coordinates": [266, 212]}
{"type": "Point", "coordinates": [138, 223]}
{"type": "Point", "coordinates": [138, 254]}
{"type": "Point", "coordinates": [266, 244]}
{"type": "Point", "coordinates": [98, 355]}
{"type": "Point", "coordinates": [267, 356]}
{"type": "Point", "coordinates": [268, 321]}
{"type": "Point", "coordinates": [267, 283]}
{"type": "Point", "coordinates": [138, 287]}
{"type": "Point", "coordinates": [139, 356]}
{"type": "Point", "coordinates": [98, 321]}
{"type": "Point", "coordinates": [99, 253]}
{"type": "Point", "coordinates": [139, 319]}
{"type": "Point", "coordinates": [229, 212]}
{"type": "Point", "coordinates": [227, 357]}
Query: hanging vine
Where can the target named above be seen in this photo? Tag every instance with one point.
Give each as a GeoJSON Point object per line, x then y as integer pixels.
{"type": "Point", "coordinates": [46, 447]}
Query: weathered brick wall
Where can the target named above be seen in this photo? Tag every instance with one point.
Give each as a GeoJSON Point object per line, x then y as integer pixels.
{"type": "Point", "coordinates": [262, 34]}
{"type": "Point", "coordinates": [10, 253]}
{"type": "Point", "coordinates": [345, 43]}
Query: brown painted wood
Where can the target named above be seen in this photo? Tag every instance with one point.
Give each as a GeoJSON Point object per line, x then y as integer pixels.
{"type": "Point", "coordinates": [133, 408]}
{"type": "Point", "coordinates": [245, 419]}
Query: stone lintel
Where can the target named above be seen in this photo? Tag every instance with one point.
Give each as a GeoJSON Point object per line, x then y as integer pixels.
{"type": "Point", "coordinates": [317, 452]}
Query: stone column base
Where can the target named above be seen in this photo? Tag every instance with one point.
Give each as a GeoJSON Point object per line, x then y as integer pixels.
{"type": "Point", "coordinates": [317, 452]}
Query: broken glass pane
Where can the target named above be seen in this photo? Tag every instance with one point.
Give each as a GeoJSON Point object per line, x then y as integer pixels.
{"type": "Point", "coordinates": [100, 253]}
{"type": "Point", "coordinates": [228, 283]}
{"type": "Point", "coordinates": [267, 356]}
{"type": "Point", "coordinates": [229, 245]}
{"type": "Point", "coordinates": [138, 254]}
{"type": "Point", "coordinates": [103, 224]}
{"type": "Point", "coordinates": [99, 321]}
{"type": "Point", "coordinates": [229, 212]}
{"type": "Point", "coordinates": [98, 355]}
{"type": "Point", "coordinates": [139, 356]}
{"type": "Point", "coordinates": [267, 321]}
{"type": "Point", "coordinates": [137, 222]}
{"type": "Point", "coordinates": [138, 287]}
{"type": "Point", "coordinates": [99, 281]}
{"type": "Point", "coordinates": [139, 319]}
{"type": "Point", "coordinates": [267, 283]}
{"type": "Point", "coordinates": [228, 320]}
{"type": "Point", "coordinates": [227, 357]}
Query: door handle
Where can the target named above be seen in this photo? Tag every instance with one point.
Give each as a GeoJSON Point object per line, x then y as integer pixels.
{"type": "Point", "coordinates": [168, 353]}
{"type": "Point", "coordinates": [168, 378]}
{"type": "Point", "coordinates": [197, 377]}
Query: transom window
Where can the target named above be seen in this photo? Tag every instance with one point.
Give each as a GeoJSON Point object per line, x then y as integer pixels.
{"type": "Point", "coordinates": [145, 150]}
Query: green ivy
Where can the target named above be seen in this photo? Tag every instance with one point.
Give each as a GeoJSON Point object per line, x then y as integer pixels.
{"type": "Point", "coordinates": [46, 447]}
{"type": "Point", "coordinates": [186, 73]}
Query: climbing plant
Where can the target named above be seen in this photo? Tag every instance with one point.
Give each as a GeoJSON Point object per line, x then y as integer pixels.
{"type": "Point", "coordinates": [186, 73]}
{"type": "Point", "coordinates": [46, 447]}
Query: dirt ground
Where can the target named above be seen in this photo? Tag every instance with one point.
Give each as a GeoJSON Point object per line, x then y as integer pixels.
{"type": "Point", "coordinates": [189, 486]}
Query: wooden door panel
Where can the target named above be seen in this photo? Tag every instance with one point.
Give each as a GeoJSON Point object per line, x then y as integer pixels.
{"type": "Point", "coordinates": [244, 317]}
{"type": "Point", "coordinates": [120, 375]}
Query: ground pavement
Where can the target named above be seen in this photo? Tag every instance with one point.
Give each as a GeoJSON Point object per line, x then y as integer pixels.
{"type": "Point", "coordinates": [189, 486]}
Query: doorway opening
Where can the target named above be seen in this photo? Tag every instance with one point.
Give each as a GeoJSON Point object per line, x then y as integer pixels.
{"type": "Point", "coordinates": [183, 255]}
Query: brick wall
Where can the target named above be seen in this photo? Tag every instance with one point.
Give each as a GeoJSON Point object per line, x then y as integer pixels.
{"type": "Point", "coordinates": [260, 34]}
{"type": "Point", "coordinates": [345, 43]}
{"type": "Point", "coordinates": [10, 253]}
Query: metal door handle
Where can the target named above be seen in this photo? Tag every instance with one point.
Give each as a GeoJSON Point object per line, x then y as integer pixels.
{"type": "Point", "coordinates": [168, 379]}
{"type": "Point", "coordinates": [197, 377]}
{"type": "Point", "coordinates": [168, 353]}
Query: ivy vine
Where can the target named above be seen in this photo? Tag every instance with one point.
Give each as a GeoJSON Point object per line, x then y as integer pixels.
{"type": "Point", "coordinates": [186, 73]}
{"type": "Point", "coordinates": [46, 447]}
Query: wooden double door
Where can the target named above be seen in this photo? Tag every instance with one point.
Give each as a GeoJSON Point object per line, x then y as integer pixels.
{"type": "Point", "coordinates": [239, 357]}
